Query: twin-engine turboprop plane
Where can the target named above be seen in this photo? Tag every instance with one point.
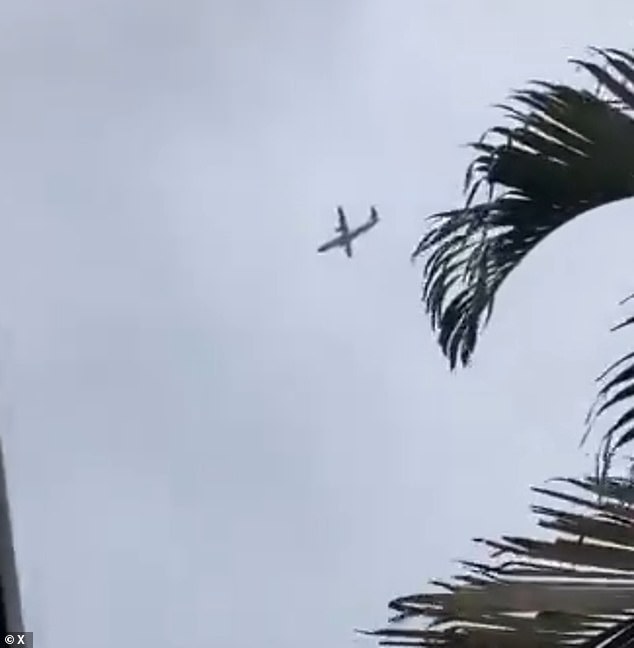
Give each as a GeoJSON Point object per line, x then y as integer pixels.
{"type": "Point", "coordinates": [346, 235]}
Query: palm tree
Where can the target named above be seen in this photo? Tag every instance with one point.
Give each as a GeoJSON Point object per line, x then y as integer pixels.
{"type": "Point", "coordinates": [564, 152]}
{"type": "Point", "coordinates": [574, 589]}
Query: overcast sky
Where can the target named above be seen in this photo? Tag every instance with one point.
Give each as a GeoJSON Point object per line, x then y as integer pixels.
{"type": "Point", "coordinates": [213, 434]}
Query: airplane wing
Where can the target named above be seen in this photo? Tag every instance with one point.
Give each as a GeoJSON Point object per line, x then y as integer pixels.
{"type": "Point", "coordinates": [343, 225]}
{"type": "Point", "coordinates": [344, 239]}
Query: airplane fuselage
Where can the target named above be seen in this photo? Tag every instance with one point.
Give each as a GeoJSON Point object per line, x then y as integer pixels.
{"type": "Point", "coordinates": [347, 236]}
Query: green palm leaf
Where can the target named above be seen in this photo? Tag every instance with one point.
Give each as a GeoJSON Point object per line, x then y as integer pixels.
{"type": "Point", "coordinates": [565, 152]}
{"type": "Point", "coordinates": [616, 392]}
{"type": "Point", "coordinates": [576, 588]}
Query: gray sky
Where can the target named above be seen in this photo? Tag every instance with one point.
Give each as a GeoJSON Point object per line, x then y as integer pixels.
{"type": "Point", "coordinates": [214, 434]}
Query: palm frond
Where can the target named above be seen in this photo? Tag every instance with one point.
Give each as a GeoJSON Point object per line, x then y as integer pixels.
{"type": "Point", "coordinates": [616, 392]}
{"type": "Point", "coordinates": [565, 151]}
{"type": "Point", "coordinates": [574, 589]}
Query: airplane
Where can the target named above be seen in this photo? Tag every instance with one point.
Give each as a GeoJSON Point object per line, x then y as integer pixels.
{"type": "Point", "coordinates": [346, 235]}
